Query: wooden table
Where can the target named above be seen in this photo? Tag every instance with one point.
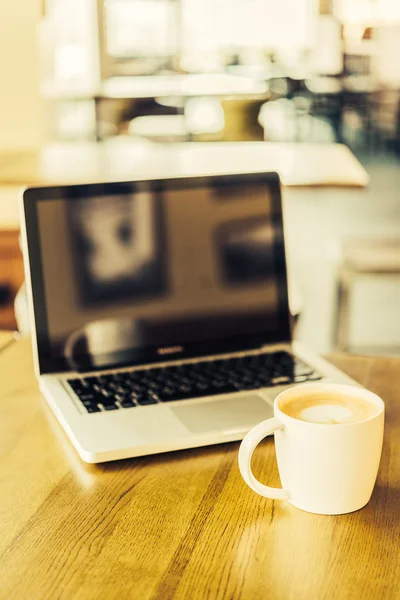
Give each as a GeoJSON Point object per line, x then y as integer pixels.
{"type": "Point", "coordinates": [7, 338]}
{"type": "Point", "coordinates": [181, 525]}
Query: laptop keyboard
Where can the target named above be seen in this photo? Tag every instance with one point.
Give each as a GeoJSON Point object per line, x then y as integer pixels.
{"type": "Point", "coordinates": [128, 389]}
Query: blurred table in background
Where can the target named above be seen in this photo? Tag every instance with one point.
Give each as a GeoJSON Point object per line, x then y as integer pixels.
{"type": "Point", "coordinates": [154, 86]}
{"type": "Point", "coordinates": [124, 158]}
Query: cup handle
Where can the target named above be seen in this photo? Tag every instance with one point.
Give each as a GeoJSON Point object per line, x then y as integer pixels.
{"type": "Point", "coordinates": [247, 447]}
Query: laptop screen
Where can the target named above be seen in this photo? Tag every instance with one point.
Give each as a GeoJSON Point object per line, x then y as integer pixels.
{"type": "Point", "coordinates": [126, 273]}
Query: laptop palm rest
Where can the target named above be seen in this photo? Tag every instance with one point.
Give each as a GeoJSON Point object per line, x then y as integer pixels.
{"type": "Point", "coordinates": [227, 416]}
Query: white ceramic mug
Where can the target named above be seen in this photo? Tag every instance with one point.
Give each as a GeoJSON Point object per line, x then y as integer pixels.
{"type": "Point", "coordinates": [327, 469]}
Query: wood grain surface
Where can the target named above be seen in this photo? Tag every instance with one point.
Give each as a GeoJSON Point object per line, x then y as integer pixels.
{"type": "Point", "coordinates": [6, 339]}
{"type": "Point", "coordinates": [181, 525]}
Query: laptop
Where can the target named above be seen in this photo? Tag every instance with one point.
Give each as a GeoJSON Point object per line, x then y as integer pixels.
{"type": "Point", "coordinates": [159, 310]}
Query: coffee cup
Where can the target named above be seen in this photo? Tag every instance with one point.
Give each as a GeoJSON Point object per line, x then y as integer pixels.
{"type": "Point", "coordinates": [328, 441]}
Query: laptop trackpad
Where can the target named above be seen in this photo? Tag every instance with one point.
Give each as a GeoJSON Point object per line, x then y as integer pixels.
{"type": "Point", "coordinates": [228, 416]}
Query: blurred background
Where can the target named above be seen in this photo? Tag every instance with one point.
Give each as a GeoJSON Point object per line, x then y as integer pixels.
{"type": "Point", "coordinates": [88, 85]}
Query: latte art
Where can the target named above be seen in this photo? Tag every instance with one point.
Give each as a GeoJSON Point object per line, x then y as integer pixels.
{"type": "Point", "coordinates": [328, 408]}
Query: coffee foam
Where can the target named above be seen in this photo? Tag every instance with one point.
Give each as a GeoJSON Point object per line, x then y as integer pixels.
{"type": "Point", "coordinates": [328, 408]}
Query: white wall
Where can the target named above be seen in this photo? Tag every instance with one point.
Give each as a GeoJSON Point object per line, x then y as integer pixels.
{"type": "Point", "coordinates": [270, 24]}
{"type": "Point", "coordinates": [20, 103]}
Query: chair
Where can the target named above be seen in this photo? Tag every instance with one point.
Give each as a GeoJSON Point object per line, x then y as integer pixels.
{"type": "Point", "coordinates": [241, 119]}
{"type": "Point", "coordinates": [326, 101]}
{"type": "Point", "coordinates": [205, 119]}
{"type": "Point", "coordinates": [358, 258]}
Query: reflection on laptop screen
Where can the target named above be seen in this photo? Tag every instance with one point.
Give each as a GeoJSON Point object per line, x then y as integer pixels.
{"type": "Point", "coordinates": [152, 268]}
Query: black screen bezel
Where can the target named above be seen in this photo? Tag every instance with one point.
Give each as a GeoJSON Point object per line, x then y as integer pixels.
{"type": "Point", "coordinates": [32, 196]}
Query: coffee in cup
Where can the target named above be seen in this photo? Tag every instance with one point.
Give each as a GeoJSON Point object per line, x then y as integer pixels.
{"type": "Point", "coordinates": [328, 408]}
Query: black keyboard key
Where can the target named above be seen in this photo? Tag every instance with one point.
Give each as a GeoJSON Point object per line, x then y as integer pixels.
{"type": "Point", "coordinates": [219, 383]}
{"type": "Point", "coordinates": [222, 388]}
{"type": "Point", "coordinates": [118, 377]}
{"type": "Point", "coordinates": [257, 385]}
{"type": "Point", "coordinates": [256, 360]}
{"type": "Point", "coordinates": [247, 386]}
{"type": "Point", "coordinates": [89, 381]}
{"type": "Point", "coordinates": [139, 397]}
{"type": "Point", "coordinates": [89, 396]}
{"type": "Point", "coordinates": [169, 389]}
{"type": "Point", "coordinates": [281, 369]}
{"type": "Point", "coordinates": [178, 395]}
{"type": "Point", "coordinates": [120, 391]}
{"type": "Point", "coordinates": [91, 402]}
{"type": "Point", "coordinates": [132, 375]}
{"type": "Point", "coordinates": [187, 389]}
{"type": "Point", "coordinates": [268, 359]}
{"type": "Point", "coordinates": [283, 358]}
{"type": "Point", "coordinates": [201, 386]}
{"type": "Point", "coordinates": [248, 376]}
{"type": "Point", "coordinates": [263, 383]}
{"type": "Point", "coordinates": [124, 398]}
{"type": "Point", "coordinates": [102, 391]}
{"type": "Point", "coordinates": [92, 398]}
{"type": "Point", "coordinates": [191, 380]}
{"type": "Point", "coordinates": [110, 385]}
{"type": "Point", "coordinates": [92, 409]}
{"type": "Point", "coordinates": [186, 380]}
{"type": "Point", "coordinates": [135, 387]}
{"type": "Point", "coordinates": [110, 406]}
{"type": "Point", "coordinates": [147, 400]}
{"type": "Point", "coordinates": [167, 394]}
{"type": "Point", "coordinates": [154, 372]}
{"type": "Point", "coordinates": [127, 404]}
{"type": "Point", "coordinates": [78, 385]}
{"type": "Point", "coordinates": [154, 385]}
{"type": "Point", "coordinates": [106, 401]}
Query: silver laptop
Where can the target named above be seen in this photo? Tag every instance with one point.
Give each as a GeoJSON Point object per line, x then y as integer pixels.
{"type": "Point", "coordinates": [159, 310]}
